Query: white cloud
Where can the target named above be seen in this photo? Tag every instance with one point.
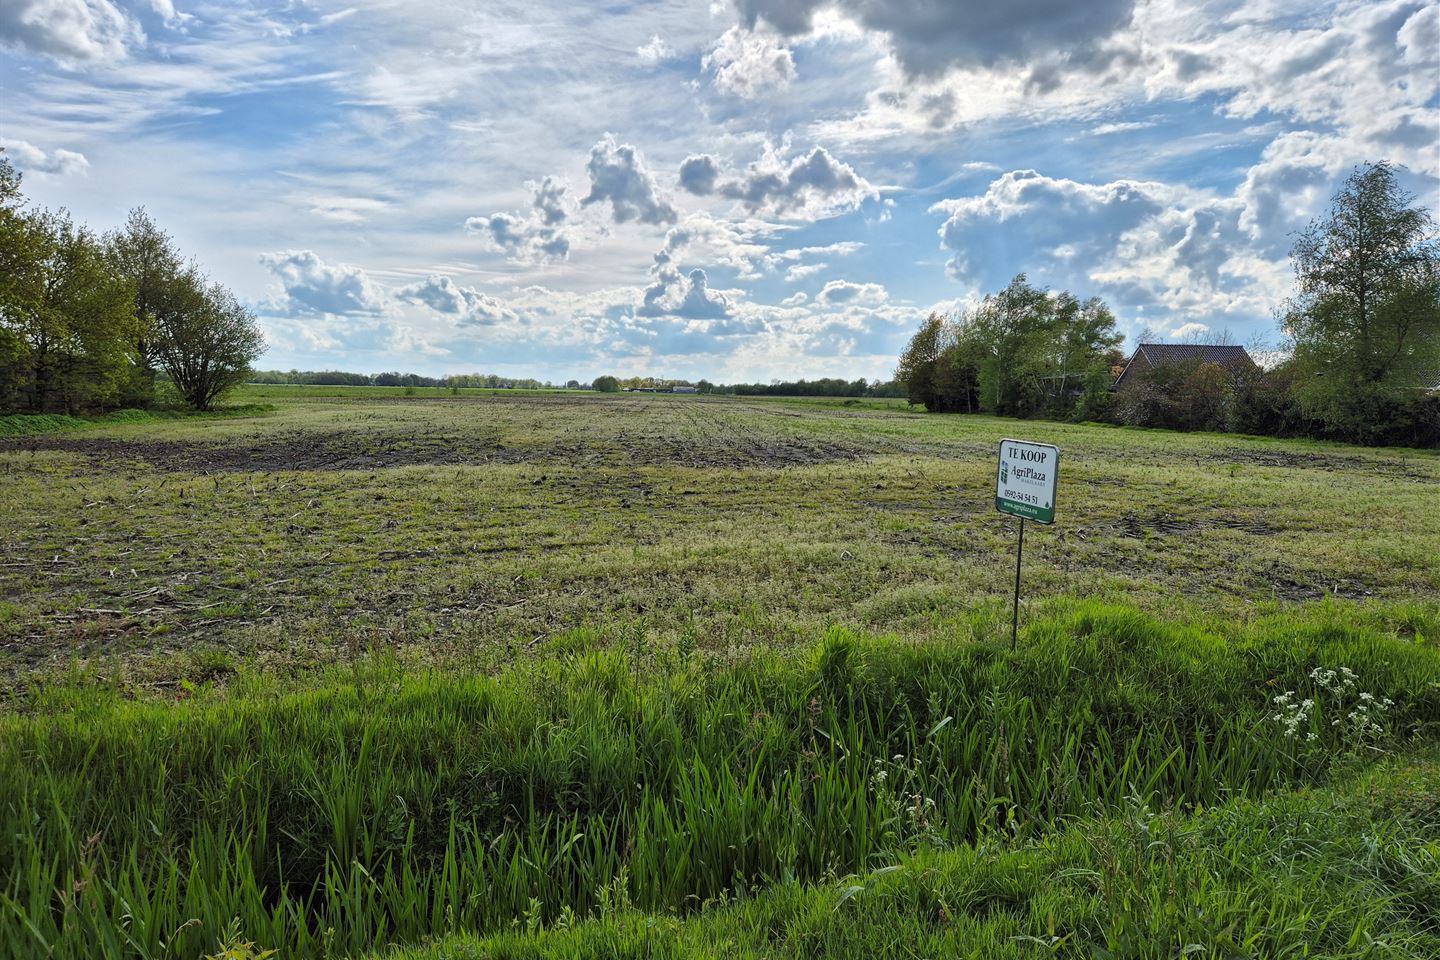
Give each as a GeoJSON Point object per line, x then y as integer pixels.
{"type": "Point", "coordinates": [29, 158]}
{"type": "Point", "coordinates": [812, 186]}
{"type": "Point", "coordinates": [1105, 129]}
{"type": "Point", "coordinates": [749, 64]}
{"type": "Point", "coordinates": [1419, 37]}
{"type": "Point", "coordinates": [467, 305]}
{"type": "Point", "coordinates": [536, 237]}
{"type": "Point", "coordinates": [349, 210]}
{"type": "Point", "coordinates": [1146, 245]}
{"type": "Point", "coordinates": [69, 31]}
{"type": "Point", "coordinates": [800, 271]}
{"type": "Point", "coordinates": [840, 248]}
{"type": "Point", "coordinates": [654, 52]}
{"type": "Point", "coordinates": [1368, 71]}
{"type": "Point", "coordinates": [688, 297]}
{"type": "Point", "coordinates": [618, 174]}
{"type": "Point", "coordinates": [730, 243]}
{"type": "Point", "coordinates": [838, 292]}
{"type": "Point", "coordinates": [699, 174]}
{"type": "Point", "coordinates": [439, 293]}
{"type": "Point", "coordinates": [313, 286]}
{"type": "Point", "coordinates": [674, 294]}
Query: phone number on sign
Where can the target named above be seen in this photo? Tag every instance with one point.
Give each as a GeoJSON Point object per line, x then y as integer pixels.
{"type": "Point", "coordinates": [1019, 497]}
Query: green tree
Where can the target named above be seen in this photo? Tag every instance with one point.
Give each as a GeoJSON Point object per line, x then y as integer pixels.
{"type": "Point", "coordinates": [15, 239]}
{"type": "Point", "coordinates": [1086, 346]}
{"type": "Point", "coordinates": [143, 254]}
{"type": "Point", "coordinates": [1021, 352]}
{"type": "Point", "coordinates": [607, 384]}
{"type": "Point", "coordinates": [957, 369]}
{"type": "Point", "coordinates": [917, 367]}
{"type": "Point", "coordinates": [1041, 354]}
{"type": "Point", "coordinates": [207, 340]}
{"type": "Point", "coordinates": [65, 316]}
{"type": "Point", "coordinates": [1365, 318]}
{"type": "Point", "coordinates": [9, 183]}
{"type": "Point", "coordinates": [1008, 326]}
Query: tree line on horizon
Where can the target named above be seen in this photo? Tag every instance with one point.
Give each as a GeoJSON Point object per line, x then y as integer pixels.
{"type": "Point", "coordinates": [1363, 328]}
{"type": "Point", "coordinates": [342, 378]}
{"type": "Point", "coordinates": [91, 321]}
{"type": "Point", "coordinates": [821, 387]}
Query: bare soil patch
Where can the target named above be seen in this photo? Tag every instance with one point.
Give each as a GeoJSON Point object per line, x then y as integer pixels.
{"type": "Point", "coordinates": [1399, 467]}
{"type": "Point", "coordinates": [1137, 527]}
{"type": "Point", "coordinates": [369, 451]}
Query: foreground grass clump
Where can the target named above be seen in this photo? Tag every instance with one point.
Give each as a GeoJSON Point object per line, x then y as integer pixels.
{"type": "Point", "coordinates": [383, 807]}
{"type": "Point", "coordinates": [1351, 870]}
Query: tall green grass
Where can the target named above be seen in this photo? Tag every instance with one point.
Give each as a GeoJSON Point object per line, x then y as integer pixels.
{"type": "Point", "coordinates": [1348, 871]}
{"type": "Point", "coordinates": [386, 807]}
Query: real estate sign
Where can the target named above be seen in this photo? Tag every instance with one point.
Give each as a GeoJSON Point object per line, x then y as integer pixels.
{"type": "Point", "coordinates": [1025, 479]}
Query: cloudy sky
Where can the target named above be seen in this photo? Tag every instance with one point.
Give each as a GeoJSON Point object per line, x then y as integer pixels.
{"type": "Point", "coordinates": [738, 190]}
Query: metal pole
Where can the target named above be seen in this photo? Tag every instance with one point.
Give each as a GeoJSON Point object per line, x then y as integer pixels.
{"type": "Point", "coordinates": [1015, 618]}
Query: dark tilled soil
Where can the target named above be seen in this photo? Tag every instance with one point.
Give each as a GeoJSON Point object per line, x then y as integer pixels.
{"type": "Point", "coordinates": [338, 451]}
{"type": "Point", "coordinates": [1137, 527]}
{"type": "Point", "coordinates": [1412, 470]}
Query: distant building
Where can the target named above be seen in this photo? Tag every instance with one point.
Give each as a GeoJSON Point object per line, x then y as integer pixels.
{"type": "Point", "coordinates": [1150, 356]}
{"type": "Point", "coordinates": [683, 389]}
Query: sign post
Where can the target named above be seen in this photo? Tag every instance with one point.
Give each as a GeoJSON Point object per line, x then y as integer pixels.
{"type": "Point", "coordinates": [1025, 480]}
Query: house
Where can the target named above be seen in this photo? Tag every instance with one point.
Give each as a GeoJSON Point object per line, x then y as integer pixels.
{"type": "Point", "coordinates": [684, 389]}
{"type": "Point", "coordinates": [1150, 356]}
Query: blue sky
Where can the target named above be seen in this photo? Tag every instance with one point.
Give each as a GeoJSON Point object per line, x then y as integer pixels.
{"type": "Point", "coordinates": [738, 190]}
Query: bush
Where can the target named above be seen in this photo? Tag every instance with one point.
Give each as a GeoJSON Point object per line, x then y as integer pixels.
{"type": "Point", "coordinates": [1180, 396]}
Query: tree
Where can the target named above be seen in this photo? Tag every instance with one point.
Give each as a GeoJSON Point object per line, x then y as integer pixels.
{"type": "Point", "coordinates": [143, 254]}
{"type": "Point", "coordinates": [607, 384]}
{"type": "Point", "coordinates": [207, 341]}
{"type": "Point", "coordinates": [957, 369]}
{"type": "Point", "coordinates": [1037, 353]}
{"type": "Point", "coordinates": [67, 329]}
{"type": "Point", "coordinates": [1365, 318]}
{"type": "Point", "coordinates": [9, 183]}
{"type": "Point", "coordinates": [14, 240]}
{"type": "Point", "coordinates": [917, 363]}
{"type": "Point", "coordinates": [1084, 346]}
{"type": "Point", "coordinates": [1021, 352]}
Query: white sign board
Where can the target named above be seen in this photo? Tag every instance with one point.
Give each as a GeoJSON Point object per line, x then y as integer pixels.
{"type": "Point", "coordinates": [1025, 479]}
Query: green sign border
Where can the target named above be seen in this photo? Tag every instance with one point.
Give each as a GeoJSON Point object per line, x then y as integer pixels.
{"type": "Point", "coordinates": [1038, 514]}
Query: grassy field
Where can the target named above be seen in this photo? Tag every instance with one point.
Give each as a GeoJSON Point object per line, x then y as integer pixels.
{"type": "Point", "coordinates": [472, 532]}
{"type": "Point", "coordinates": [581, 675]}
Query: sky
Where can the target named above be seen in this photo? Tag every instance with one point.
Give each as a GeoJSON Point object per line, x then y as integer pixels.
{"type": "Point", "coordinates": [737, 190]}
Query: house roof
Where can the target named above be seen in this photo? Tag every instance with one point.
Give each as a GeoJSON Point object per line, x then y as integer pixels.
{"type": "Point", "coordinates": [1158, 353]}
